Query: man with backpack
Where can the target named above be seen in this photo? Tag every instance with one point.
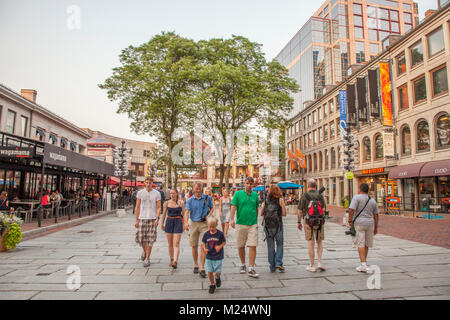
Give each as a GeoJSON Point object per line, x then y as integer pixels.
{"type": "Point", "coordinates": [311, 211]}
{"type": "Point", "coordinates": [365, 223]}
{"type": "Point", "coordinates": [273, 210]}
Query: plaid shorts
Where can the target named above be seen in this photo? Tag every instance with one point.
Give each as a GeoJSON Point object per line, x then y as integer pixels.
{"type": "Point", "coordinates": [146, 232]}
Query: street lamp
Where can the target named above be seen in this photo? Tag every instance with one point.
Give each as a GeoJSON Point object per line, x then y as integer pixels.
{"type": "Point", "coordinates": [121, 157]}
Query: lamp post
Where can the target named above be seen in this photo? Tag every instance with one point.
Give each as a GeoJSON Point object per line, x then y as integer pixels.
{"type": "Point", "coordinates": [121, 155]}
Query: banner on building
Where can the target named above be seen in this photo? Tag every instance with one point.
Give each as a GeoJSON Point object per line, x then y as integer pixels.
{"type": "Point", "coordinates": [362, 99]}
{"type": "Point", "coordinates": [293, 159]}
{"type": "Point", "coordinates": [342, 111]}
{"type": "Point", "coordinates": [388, 144]}
{"type": "Point", "coordinates": [351, 104]}
{"type": "Point", "coordinates": [373, 93]}
{"type": "Point", "coordinates": [301, 158]}
{"type": "Point", "coordinates": [386, 94]}
{"type": "Point", "coordinates": [147, 168]}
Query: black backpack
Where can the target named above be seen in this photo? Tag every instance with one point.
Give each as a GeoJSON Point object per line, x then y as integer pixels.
{"type": "Point", "coordinates": [272, 217]}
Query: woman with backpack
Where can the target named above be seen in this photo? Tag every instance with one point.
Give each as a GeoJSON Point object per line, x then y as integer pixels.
{"type": "Point", "coordinates": [273, 211]}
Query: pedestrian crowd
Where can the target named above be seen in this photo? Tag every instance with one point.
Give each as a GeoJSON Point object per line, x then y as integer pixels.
{"type": "Point", "coordinates": [194, 211]}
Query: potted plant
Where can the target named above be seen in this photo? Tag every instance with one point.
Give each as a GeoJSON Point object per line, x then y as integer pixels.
{"type": "Point", "coordinates": [10, 231]}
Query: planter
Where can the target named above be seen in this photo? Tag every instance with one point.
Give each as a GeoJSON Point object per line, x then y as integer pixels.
{"type": "Point", "coordinates": [2, 247]}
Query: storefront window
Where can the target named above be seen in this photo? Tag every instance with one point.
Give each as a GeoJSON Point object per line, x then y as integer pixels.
{"type": "Point", "coordinates": [426, 192]}
{"type": "Point", "coordinates": [408, 194]}
{"type": "Point", "coordinates": [443, 131]}
{"type": "Point", "coordinates": [379, 147]}
{"type": "Point", "coordinates": [444, 192]}
{"type": "Point", "coordinates": [423, 136]}
{"type": "Point", "coordinates": [406, 141]}
{"type": "Point", "coordinates": [367, 149]}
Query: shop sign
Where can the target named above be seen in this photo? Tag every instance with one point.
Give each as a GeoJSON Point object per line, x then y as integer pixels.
{"type": "Point", "coordinates": [16, 152]}
{"type": "Point", "coordinates": [392, 199]}
{"type": "Point", "coordinates": [342, 111]}
{"type": "Point", "coordinates": [435, 207]}
{"type": "Point", "coordinates": [386, 94]}
{"type": "Point", "coordinates": [349, 175]}
{"type": "Point", "coordinates": [388, 144]}
{"type": "Point", "coordinates": [372, 171]}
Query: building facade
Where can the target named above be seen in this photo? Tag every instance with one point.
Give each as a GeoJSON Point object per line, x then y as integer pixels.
{"type": "Point", "coordinates": [338, 35]}
{"type": "Point", "coordinates": [416, 167]}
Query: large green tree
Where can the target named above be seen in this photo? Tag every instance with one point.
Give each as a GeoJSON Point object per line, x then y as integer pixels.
{"type": "Point", "coordinates": [235, 87]}
{"type": "Point", "coordinates": [152, 86]}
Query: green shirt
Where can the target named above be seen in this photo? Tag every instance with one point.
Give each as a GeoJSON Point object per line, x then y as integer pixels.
{"type": "Point", "coordinates": [246, 206]}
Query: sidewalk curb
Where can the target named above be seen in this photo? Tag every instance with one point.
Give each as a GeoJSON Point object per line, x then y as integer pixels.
{"type": "Point", "coordinates": [27, 235]}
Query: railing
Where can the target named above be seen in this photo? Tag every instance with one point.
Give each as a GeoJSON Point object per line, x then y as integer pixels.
{"type": "Point", "coordinates": [424, 206]}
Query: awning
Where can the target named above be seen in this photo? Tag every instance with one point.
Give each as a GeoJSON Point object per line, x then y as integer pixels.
{"type": "Point", "coordinates": [436, 168]}
{"type": "Point", "coordinates": [406, 171]}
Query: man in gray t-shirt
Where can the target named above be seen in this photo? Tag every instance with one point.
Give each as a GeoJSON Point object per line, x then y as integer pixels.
{"type": "Point", "coordinates": [365, 212]}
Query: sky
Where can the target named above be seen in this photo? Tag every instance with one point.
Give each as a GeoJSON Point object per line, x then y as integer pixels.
{"type": "Point", "coordinates": [64, 49]}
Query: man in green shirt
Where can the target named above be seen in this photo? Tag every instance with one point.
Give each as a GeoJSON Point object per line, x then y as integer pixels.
{"type": "Point", "coordinates": [246, 202]}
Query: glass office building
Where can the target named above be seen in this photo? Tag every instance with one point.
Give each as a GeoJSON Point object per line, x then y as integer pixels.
{"type": "Point", "coordinates": [338, 35]}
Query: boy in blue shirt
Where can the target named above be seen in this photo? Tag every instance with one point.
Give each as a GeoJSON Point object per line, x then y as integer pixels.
{"type": "Point", "coordinates": [212, 244]}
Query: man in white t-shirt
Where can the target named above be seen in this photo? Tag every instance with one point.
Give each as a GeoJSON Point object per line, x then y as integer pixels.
{"type": "Point", "coordinates": [148, 210]}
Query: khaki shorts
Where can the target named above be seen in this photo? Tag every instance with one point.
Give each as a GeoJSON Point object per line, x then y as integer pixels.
{"type": "Point", "coordinates": [246, 235]}
{"type": "Point", "coordinates": [196, 231]}
{"type": "Point", "coordinates": [364, 236]}
{"type": "Point", "coordinates": [309, 234]}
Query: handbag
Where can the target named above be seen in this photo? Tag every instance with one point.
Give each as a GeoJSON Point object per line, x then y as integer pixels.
{"type": "Point", "coordinates": [352, 230]}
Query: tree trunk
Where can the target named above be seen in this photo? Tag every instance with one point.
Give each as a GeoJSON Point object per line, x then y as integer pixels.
{"type": "Point", "coordinates": [221, 172]}
{"type": "Point", "coordinates": [175, 176]}
{"type": "Point", "coordinates": [169, 163]}
{"type": "Point", "coordinates": [227, 177]}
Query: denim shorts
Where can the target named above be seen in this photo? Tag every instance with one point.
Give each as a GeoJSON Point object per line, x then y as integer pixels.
{"type": "Point", "coordinates": [213, 266]}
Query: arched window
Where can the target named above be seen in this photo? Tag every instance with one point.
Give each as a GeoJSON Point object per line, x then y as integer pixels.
{"type": "Point", "coordinates": [406, 141]}
{"type": "Point", "coordinates": [379, 147]}
{"type": "Point", "coordinates": [315, 162]}
{"type": "Point", "coordinates": [423, 136]}
{"type": "Point", "coordinates": [333, 158]}
{"type": "Point", "coordinates": [443, 131]}
{"type": "Point", "coordinates": [320, 161]}
{"type": "Point", "coordinates": [367, 153]}
{"type": "Point", "coordinates": [326, 159]}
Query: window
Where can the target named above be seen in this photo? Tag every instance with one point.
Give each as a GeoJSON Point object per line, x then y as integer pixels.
{"type": "Point", "coordinates": [319, 113]}
{"type": "Point", "coordinates": [304, 123]}
{"type": "Point", "coordinates": [394, 15]}
{"type": "Point", "coordinates": [383, 13]}
{"type": "Point", "coordinates": [309, 120]}
{"type": "Point", "coordinates": [53, 139]}
{"type": "Point", "coordinates": [315, 137]}
{"type": "Point", "coordinates": [420, 89]}
{"type": "Point", "coordinates": [40, 134]}
{"type": "Point", "coordinates": [331, 107]}
{"type": "Point", "coordinates": [296, 127]}
{"type": "Point", "coordinates": [359, 34]}
{"type": "Point", "coordinates": [367, 149]}
{"type": "Point", "coordinates": [373, 35]}
{"type": "Point", "coordinates": [63, 143]}
{"type": "Point", "coordinates": [314, 116]}
{"type": "Point", "coordinates": [401, 64]}
{"type": "Point", "coordinates": [331, 129]}
{"type": "Point", "coordinates": [374, 48]}
{"type": "Point", "coordinates": [403, 97]}
{"type": "Point", "coordinates": [357, 9]}
{"type": "Point", "coordinates": [320, 134]}
{"type": "Point", "coordinates": [443, 131]}
{"type": "Point", "coordinates": [326, 159]}
{"type": "Point", "coordinates": [325, 132]}
{"type": "Point", "coordinates": [309, 139]}
{"type": "Point", "coordinates": [436, 42]}
{"type": "Point", "coordinates": [24, 125]}
{"type": "Point", "coordinates": [406, 6]}
{"type": "Point", "coordinates": [333, 158]}
{"type": "Point", "coordinates": [423, 136]}
{"type": "Point", "coordinates": [416, 53]}
{"type": "Point", "coordinates": [378, 147]}
{"type": "Point", "coordinates": [10, 121]}
{"type": "Point", "coordinates": [73, 146]}
{"type": "Point", "coordinates": [406, 141]}
{"type": "Point", "coordinates": [359, 48]}
{"type": "Point", "coordinates": [357, 20]}
{"type": "Point", "coordinates": [440, 82]}
{"type": "Point", "coordinates": [407, 17]}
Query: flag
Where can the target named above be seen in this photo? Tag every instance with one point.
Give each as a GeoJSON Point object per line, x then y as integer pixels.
{"type": "Point", "coordinates": [293, 160]}
{"type": "Point", "coordinates": [301, 158]}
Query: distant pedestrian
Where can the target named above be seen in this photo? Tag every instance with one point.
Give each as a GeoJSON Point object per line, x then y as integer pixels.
{"type": "Point", "coordinates": [209, 193]}
{"type": "Point", "coordinates": [174, 209]}
{"type": "Point", "coordinates": [365, 223]}
{"type": "Point", "coordinates": [308, 201]}
{"type": "Point", "coordinates": [224, 211]}
{"type": "Point", "coordinates": [148, 208]}
{"type": "Point", "coordinates": [245, 205]}
{"type": "Point", "coordinates": [273, 210]}
{"type": "Point", "coordinates": [213, 242]}
{"type": "Point", "coordinates": [4, 204]}
{"type": "Point", "coordinates": [198, 209]}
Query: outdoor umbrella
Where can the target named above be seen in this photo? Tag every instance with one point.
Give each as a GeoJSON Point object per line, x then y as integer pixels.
{"type": "Point", "coordinates": [259, 188]}
{"type": "Point", "coordinates": [289, 185]}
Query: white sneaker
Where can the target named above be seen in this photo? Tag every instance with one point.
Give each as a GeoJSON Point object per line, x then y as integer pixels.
{"type": "Point", "coordinates": [310, 269]}
{"type": "Point", "coordinates": [361, 268]}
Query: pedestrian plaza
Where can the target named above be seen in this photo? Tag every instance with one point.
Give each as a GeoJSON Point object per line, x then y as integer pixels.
{"type": "Point", "coordinates": [109, 262]}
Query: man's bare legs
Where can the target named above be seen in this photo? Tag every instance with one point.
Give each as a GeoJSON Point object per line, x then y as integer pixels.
{"type": "Point", "coordinates": [251, 256]}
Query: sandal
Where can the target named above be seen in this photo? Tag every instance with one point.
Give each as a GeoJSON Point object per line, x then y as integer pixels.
{"type": "Point", "coordinates": [174, 265]}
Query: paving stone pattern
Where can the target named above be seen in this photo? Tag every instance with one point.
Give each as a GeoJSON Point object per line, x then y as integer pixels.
{"type": "Point", "coordinates": [110, 268]}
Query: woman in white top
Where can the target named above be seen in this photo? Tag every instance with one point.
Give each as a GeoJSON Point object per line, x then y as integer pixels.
{"type": "Point", "coordinates": [224, 210]}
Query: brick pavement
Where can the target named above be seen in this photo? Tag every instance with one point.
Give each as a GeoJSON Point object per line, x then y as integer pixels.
{"type": "Point", "coordinates": [433, 232]}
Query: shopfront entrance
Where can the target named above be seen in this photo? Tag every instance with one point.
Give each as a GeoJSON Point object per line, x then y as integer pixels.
{"type": "Point", "coordinates": [379, 184]}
